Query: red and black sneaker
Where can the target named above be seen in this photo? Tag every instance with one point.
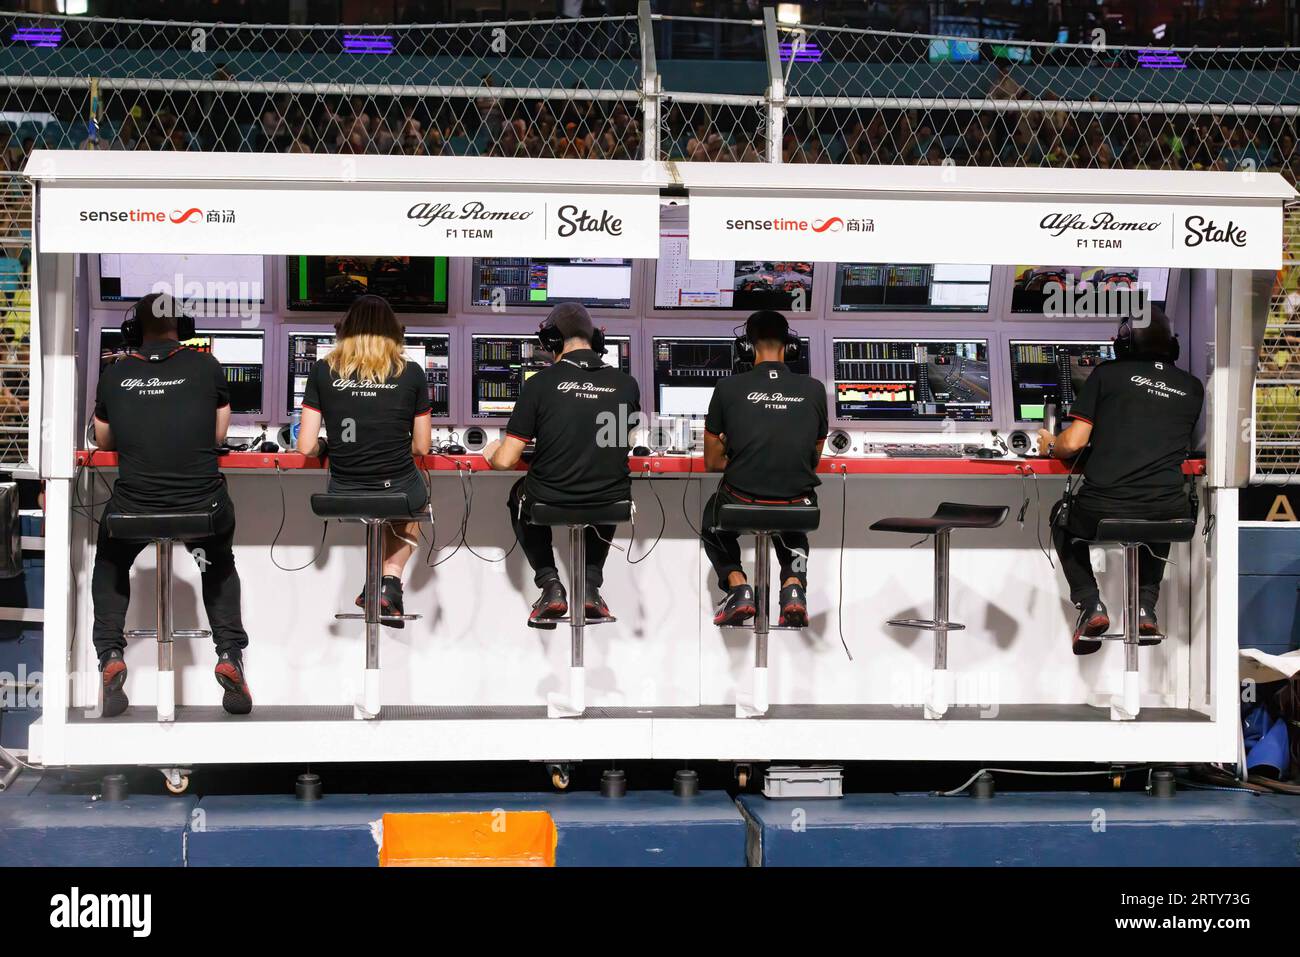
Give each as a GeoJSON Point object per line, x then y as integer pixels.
{"type": "Point", "coordinates": [1149, 632]}
{"type": "Point", "coordinates": [1093, 622]}
{"type": "Point", "coordinates": [390, 600]}
{"type": "Point", "coordinates": [595, 606]}
{"type": "Point", "coordinates": [230, 675]}
{"type": "Point", "coordinates": [112, 670]}
{"type": "Point", "coordinates": [794, 607]}
{"type": "Point", "coordinates": [736, 607]}
{"type": "Point", "coordinates": [552, 603]}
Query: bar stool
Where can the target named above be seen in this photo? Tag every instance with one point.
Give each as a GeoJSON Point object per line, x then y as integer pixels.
{"type": "Point", "coordinates": [162, 529]}
{"type": "Point", "coordinates": [947, 516]}
{"type": "Point", "coordinates": [576, 518]}
{"type": "Point", "coordinates": [763, 521]}
{"type": "Point", "coordinates": [1134, 534]}
{"type": "Point", "coordinates": [374, 510]}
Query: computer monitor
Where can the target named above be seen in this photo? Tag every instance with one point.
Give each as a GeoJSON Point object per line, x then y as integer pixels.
{"type": "Point", "coordinates": [598, 283]}
{"type": "Point", "coordinates": [1087, 291]}
{"type": "Point", "coordinates": [330, 283]}
{"type": "Point", "coordinates": [915, 287]}
{"type": "Point", "coordinates": [204, 282]}
{"type": "Point", "coordinates": [240, 352]}
{"type": "Point", "coordinates": [501, 363]}
{"type": "Point", "coordinates": [1045, 372]}
{"type": "Point", "coordinates": [912, 380]}
{"type": "Point", "coordinates": [430, 350]}
{"type": "Point", "coordinates": [686, 368]}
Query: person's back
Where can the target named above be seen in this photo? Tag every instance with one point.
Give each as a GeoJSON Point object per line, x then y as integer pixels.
{"type": "Point", "coordinates": [1143, 413]}
{"type": "Point", "coordinates": [773, 419]}
{"type": "Point", "coordinates": [578, 413]}
{"type": "Point", "coordinates": [161, 400]}
{"type": "Point", "coordinates": [165, 409]}
{"type": "Point", "coordinates": [374, 405]}
{"type": "Point", "coordinates": [764, 431]}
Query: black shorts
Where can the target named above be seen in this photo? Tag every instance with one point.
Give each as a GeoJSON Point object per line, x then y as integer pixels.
{"type": "Point", "coordinates": [411, 485]}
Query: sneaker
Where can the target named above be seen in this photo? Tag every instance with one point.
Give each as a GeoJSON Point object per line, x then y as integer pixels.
{"type": "Point", "coordinates": [595, 606]}
{"type": "Point", "coordinates": [1149, 632]}
{"type": "Point", "coordinates": [112, 671]}
{"type": "Point", "coordinates": [552, 603]}
{"type": "Point", "coordinates": [736, 607]}
{"type": "Point", "coordinates": [794, 607]}
{"type": "Point", "coordinates": [230, 675]}
{"type": "Point", "coordinates": [1093, 622]}
{"type": "Point", "coordinates": [390, 600]}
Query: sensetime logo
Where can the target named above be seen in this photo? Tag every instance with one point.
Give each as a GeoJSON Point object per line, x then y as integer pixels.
{"type": "Point", "coordinates": [176, 217]}
{"type": "Point", "coordinates": [827, 224]}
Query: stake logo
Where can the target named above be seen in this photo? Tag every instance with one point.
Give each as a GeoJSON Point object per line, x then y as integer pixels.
{"type": "Point", "coordinates": [1201, 230]}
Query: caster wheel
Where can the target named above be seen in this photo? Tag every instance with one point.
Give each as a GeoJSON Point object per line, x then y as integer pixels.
{"type": "Point", "coordinates": [742, 775]}
{"type": "Point", "coordinates": [559, 780]}
{"type": "Point", "coordinates": [180, 787]}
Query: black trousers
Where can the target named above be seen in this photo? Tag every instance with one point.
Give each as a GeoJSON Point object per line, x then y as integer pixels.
{"type": "Point", "coordinates": [110, 583]}
{"type": "Point", "coordinates": [536, 541]}
{"type": "Point", "coordinates": [723, 548]}
{"type": "Point", "coordinates": [1071, 539]}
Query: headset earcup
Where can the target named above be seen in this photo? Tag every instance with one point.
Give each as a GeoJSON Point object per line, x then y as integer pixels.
{"type": "Point", "coordinates": [598, 341]}
{"type": "Point", "coordinates": [185, 327]}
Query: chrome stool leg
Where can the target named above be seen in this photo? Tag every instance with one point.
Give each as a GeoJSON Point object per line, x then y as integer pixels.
{"type": "Point", "coordinates": [371, 702]}
{"type": "Point", "coordinates": [166, 661]}
{"type": "Point", "coordinates": [939, 698]}
{"type": "Point", "coordinates": [1128, 704]}
{"type": "Point", "coordinates": [574, 703]}
{"type": "Point", "coordinates": [755, 703]}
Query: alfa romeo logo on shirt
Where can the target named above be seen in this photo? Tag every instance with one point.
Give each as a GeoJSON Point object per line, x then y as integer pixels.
{"type": "Point", "coordinates": [773, 397]}
{"type": "Point", "coordinates": [154, 383]}
{"type": "Point", "coordinates": [583, 387]}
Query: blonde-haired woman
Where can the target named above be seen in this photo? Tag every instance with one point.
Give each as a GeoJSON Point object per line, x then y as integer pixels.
{"type": "Point", "coordinates": [375, 407]}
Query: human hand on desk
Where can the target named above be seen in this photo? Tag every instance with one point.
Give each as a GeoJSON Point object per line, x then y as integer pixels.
{"type": "Point", "coordinates": [490, 450]}
{"type": "Point", "coordinates": [1045, 441]}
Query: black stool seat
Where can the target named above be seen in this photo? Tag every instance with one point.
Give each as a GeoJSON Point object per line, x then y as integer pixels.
{"type": "Point", "coordinates": [1145, 531]}
{"type": "Point", "coordinates": [734, 517]}
{"type": "Point", "coordinates": [947, 516]}
{"type": "Point", "coordinates": [609, 514]}
{"type": "Point", "coordinates": [177, 526]}
{"type": "Point", "coordinates": [360, 505]}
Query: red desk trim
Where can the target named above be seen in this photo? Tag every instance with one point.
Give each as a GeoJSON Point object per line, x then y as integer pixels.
{"type": "Point", "coordinates": [677, 464]}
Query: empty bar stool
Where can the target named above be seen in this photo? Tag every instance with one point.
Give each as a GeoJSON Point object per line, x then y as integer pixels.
{"type": "Point", "coordinates": [374, 510]}
{"type": "Point", "coordinates": [1133, 535]}
{"type": "Point", "coordinates": [763, 521]}
{"type": "Point", "coordinates": [162, 529]}
{"type": "Point", "coordinates": [947, 516]}
{"type": "Point", "coordinates": [576, 518]}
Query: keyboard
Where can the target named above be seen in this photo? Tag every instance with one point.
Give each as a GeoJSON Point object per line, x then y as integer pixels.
{"type": "Point", "coordinates": [922, 450]}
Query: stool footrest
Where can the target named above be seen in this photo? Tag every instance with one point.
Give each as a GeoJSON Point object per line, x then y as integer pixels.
{"type": "Point", "coordinates": [926, 624]}
{"type": "Point", "coordinates": [589, 621]}
{"type": "Point", "coordinates": [1143, 640]}
{"type": "Point", "coordinates": [178, 633]}
{"type": "Point", "coordinates": [360, 616]}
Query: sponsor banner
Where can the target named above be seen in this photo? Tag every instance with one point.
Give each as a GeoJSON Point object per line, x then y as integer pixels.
{"type": "Point", "coordinates": [408, 222]}
{"type": "Point", "coordinates": [1002, 233]}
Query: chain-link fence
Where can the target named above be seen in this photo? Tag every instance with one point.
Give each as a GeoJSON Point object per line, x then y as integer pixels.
{"type": "Point", "coordinates": [1277, 374]}
{"type": "Point", "coordinates": [15, 316]}
{"type": "Point", "coordinates": [592, 89]}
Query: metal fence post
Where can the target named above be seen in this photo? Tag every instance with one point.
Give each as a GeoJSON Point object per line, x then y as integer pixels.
{"type": "Point", "coordinates": [775, 88]}
{"type": "Point", "coordinates": [650, 86]}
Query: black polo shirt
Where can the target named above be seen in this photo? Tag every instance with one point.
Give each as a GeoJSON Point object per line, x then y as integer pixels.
{"type": "Point", "coordinates": [580, 412]}
{"type": "Point", "coordinates": [771, 419]}
{"type": "Point", "coordinates": [1143, 415]}
{"type": "Point", "coordinates": [161, 403]}
{"type": "Point", "coordinates": [368, 423]}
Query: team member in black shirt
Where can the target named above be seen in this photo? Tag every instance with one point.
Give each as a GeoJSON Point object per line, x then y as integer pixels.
{"type": "Point", "coordinates": [165, 409]}
{"type": "Point", "coordinates": [375, 406]}
{"type": "Point", "coordinates": [1135, 416]}
{"type": "Point", "coordinates": [764, 431]}
{"type": "Point", "coordinates": [580, 413]}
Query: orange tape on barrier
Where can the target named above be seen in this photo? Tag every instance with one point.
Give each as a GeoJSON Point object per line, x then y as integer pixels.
{"type": "Point", "coordinates": [478, 839]}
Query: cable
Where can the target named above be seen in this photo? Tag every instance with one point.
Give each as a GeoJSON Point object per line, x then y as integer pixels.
{"type": "Point", "coordinates": [844, 533]}
{"type": "Point", "coordinates": [663, 524]}
{"type": "Point", "coordinates": [284, 515]}
{"type": "Point", "coordinates": [469, 504]}
{"type": "Point", "coordinates": [1110, 772]}
{"type": "Point", "coordinates": [464, 521]}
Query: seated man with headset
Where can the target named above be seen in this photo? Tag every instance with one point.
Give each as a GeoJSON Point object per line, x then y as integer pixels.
{"type": "Point", "coordinates": [165, 409]}
{"type": "Point", "coordinates": [764, 432]}
{"type": "Point", "coordinates": [567, 410]}
{"type": "Point", "coordinates": [1134, 422]}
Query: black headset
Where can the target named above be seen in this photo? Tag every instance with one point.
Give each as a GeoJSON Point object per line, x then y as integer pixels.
{"type": "Point", "coordinates": [1124, 345]}
{"type": "Point", "coordinates": [743, 348]}
{"type": "Point", "coordinates": [552, 340]}
{"type": "Point", "coordinates": [133, 328]}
